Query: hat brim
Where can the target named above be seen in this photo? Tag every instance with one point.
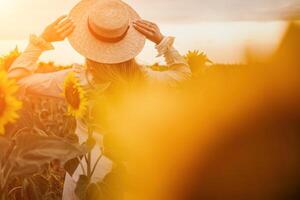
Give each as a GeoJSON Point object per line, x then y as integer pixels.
{"type": "Point", "coordinates": [83, 41]}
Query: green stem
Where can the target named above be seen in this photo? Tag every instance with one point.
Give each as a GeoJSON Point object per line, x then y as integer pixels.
{"type": "Point", "coordinates": [89, 156]}
{"type": "Point", "coordinates": [14, 190]}
{"type": "Point", "coordinates": [89, 163]}
{"type": "Point", "coordinates": [81, 165]}
{"type": "Point", "coordinates": [97, 161]}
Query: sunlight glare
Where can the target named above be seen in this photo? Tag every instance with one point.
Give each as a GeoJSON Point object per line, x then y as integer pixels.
{"type": "Point", "coordinates": [4, 4]}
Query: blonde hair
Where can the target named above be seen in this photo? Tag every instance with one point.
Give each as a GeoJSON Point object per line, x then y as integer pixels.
{"type": "Point", "coordinates": [120, 73]}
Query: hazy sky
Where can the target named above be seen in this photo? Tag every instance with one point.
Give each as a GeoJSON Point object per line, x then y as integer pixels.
{"type": "Point", "coordinates": [20, 17]}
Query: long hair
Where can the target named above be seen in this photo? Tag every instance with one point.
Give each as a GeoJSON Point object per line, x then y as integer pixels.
{"type": "Point", "coordinates": [120, 74]}
{"type": "Point", "coordinates": [124, 78]}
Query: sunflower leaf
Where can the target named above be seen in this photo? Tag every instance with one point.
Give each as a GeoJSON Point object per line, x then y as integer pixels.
{"type": "Point", "coordinates": [33, 151]}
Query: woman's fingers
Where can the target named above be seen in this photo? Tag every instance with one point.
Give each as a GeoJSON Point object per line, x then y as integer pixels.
{"type": "Point", "coordinates": [142, 30]}
{"type": "Point", "coordinates": [64, 22]}
{"type": "Point", "coordinates": [149, 29]}
{"type": "Point", "coordinates": [147, 23]}
{"type": "Point", "coordinates": [58, 20]}
{"type": "Point", "coordinates": [59, 29]}
{"type": "Point", "coordinates": [146, 27]}
{"type": "Point", "coordinates": [65, 27]}
{"type": "Point", "coordinates": [144, 23]}
{"type": "Point", "coordinates": [67, 32]}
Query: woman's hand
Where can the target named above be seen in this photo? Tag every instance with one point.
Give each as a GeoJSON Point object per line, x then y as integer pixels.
{"type": "Point", "coordinates": [58, 30]}
{"type": "Point", "coordinates": [150, 30]}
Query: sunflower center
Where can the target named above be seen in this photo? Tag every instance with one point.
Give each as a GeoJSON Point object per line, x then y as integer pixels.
{"type": "Point", "coordinates": [2, 102]}
{"type": "Point", "coordinates": [73, 96]}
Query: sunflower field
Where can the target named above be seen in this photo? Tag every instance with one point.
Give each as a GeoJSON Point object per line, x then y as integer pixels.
{"type": "Point", "coordinates": [39, 144]}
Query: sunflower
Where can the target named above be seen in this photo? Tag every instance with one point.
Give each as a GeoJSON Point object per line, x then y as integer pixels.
{"type": "Point", "coordinates": [196, 61]}
{"type": "Point", "coordinates": [75, 96]}
{"type": "Point", "coordinates": [9, 105]}
{"type": "Point", "coordinates": [7, 60]}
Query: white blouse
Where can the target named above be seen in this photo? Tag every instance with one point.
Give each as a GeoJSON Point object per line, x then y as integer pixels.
{"type": "Point", "coordinates": [51, 84]}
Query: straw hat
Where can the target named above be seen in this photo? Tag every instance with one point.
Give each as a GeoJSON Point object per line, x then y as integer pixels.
{"type": "Point", "coordinates": [104, 31]}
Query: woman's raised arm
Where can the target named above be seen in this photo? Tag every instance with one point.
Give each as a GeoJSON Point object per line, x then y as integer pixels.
{"type": "Point", "coordinates": [178, 69]}
{"type": "Point", "coordinates": [26, 64]}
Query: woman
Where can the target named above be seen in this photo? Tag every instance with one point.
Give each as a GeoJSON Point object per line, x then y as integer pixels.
{"type": "Point", "coordinates": [109, 34]}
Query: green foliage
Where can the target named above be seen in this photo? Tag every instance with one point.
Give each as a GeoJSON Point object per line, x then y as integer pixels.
{"type": "Point", "coordinates": [44, 116]}
{"type": "Point", "coordinates": [82, 186]}
{"type": "Point", "coordinates": [43, 185]}
{"type": "Point", "coordinates": [197, 62]}
{"type": "Point", "coordinates": [23, 158]}
{"type": "Point", "coordinates": [29, 161]}
{"type": "Point", "coordinates": [43, 67]}
{"type": "Point", "coordinates": [110, 188]}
